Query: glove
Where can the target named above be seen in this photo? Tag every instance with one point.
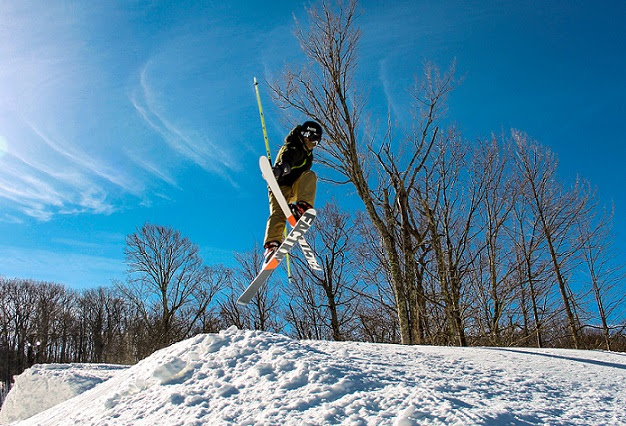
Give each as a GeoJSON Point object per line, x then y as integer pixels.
{"type": "Point", "coordinates": [281, 170]}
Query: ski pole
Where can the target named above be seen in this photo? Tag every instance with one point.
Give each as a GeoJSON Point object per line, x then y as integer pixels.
{"type": "Point", "coordinates": [258, 100]}
{"type": "Point", "coordinates": [269, 155]}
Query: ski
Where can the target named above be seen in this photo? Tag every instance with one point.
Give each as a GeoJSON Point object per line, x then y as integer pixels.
{"type": "Point", "coordinates": [295, 236]}
{"type": "Point", "coordinates": [268, 175]}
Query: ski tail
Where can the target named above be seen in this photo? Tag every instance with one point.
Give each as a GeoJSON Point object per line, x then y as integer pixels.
{"type": "Point", "coordinates": [296, 234]}
{"type": "Point", "coordinates": [268, 175]}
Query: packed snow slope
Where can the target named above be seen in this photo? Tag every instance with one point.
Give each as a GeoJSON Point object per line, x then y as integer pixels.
{"type": "Point", "coordinates": [250, 377]}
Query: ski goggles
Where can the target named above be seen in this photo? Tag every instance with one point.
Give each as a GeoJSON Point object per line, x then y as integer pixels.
{"type": "Point", "coordinates": [311, 135]}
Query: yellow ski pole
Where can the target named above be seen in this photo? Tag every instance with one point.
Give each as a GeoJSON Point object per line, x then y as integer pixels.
{"type": "Point", "coordinates": [258, 100]}
{"type": "Point", "coordinates": [269, 154]}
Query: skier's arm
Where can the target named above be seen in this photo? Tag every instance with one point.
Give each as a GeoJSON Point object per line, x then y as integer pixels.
{"type": "Point", "coordinates": [281, 169]}
{"type": "Point", "coordinates": [288, 155]}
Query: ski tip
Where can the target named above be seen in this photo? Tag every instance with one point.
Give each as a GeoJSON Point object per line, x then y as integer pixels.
{"type": "Point", "coordinates": [255, 82]}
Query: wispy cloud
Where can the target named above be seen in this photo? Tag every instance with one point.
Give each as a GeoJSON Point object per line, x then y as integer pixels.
{"type": "Point", "coordinates": [46, 178]}
{"type": "Point", "coordinates": [46, 168]}
{"type": "Point", "coordinates": [154, 169]}
{"type": "Point", "coordinates": [41, 195]}
{"type": "Point", "coordinates": [188, 143]}
{"type": "Point", "coordinates": [78, 115]}
{"type": "Point", "coordinates": [85, 164]}
{"type": "Point", "coordinates": [388, 89]}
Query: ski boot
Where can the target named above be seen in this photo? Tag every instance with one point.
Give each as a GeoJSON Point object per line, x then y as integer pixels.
{"type": "Point", "coordinates": [299, 208]}
{"type": "Point", "coordinates": [270, 248]}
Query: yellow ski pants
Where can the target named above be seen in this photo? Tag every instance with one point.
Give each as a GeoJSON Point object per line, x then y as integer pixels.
{"type": "Point", "coordinates": [303, 189]}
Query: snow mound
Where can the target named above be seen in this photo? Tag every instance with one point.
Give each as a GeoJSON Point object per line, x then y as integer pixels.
{"type": "Point", "coordinates": [249, 377]}
{"type": "Point", "coordinates": [43, 386]}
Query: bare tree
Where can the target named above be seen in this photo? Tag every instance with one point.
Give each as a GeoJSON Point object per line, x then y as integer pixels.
{"type": "Point", "coordinates": [326, 90]}
{"type": "Point", "coordinates": [450, 208]}
{"type": "Point", "coordinates": [263, 312]}
{"type": "Point", "coordinates": [18, 308]}
{"type": "Point", "coordinates": [604, 271]}
{"type": "Point", "coordinates": [329, 297]}
{"type": "Point", "coordinates": [377, 311]}
{"type": "Point", "coordinates": [531, 268]}
{"type": "Point", "coordinates": [51, 328]}
{"type": "Point", "coordinates": [495, 287]}
{"type": "Point", "coordinates": [166, 281]}
{"type": "Point", "coordinates": [557, 211]}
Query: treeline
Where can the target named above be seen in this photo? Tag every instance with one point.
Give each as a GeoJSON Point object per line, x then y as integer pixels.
{"type": "Point", "coordinates": [494, 250]}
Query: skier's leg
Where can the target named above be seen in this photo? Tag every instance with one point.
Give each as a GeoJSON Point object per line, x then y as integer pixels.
{"type": "Point", "coordinates": [304, 188]}
{"type": "Point", "coordinates": [275, 228]}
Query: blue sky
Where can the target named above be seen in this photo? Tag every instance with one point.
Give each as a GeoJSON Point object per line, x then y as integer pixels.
{"type": "Point", "coordinates": [117, 113]}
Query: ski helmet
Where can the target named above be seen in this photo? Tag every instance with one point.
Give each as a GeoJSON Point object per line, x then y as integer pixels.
{"type": "Point", "coordinates": [311, 130]}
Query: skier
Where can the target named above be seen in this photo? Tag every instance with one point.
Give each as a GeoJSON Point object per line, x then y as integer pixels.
{"type": "Point", "coordinates": [297, 181]}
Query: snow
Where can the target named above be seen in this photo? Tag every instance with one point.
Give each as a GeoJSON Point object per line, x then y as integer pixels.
{"type": "Point", "coordinates": [251, 377]}
{"type": "Point", "coordinates": [44, 386]}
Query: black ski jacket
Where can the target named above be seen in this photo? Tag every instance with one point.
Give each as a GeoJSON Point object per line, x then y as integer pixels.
{"type": "Point", "coordinates": [294, 153]}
